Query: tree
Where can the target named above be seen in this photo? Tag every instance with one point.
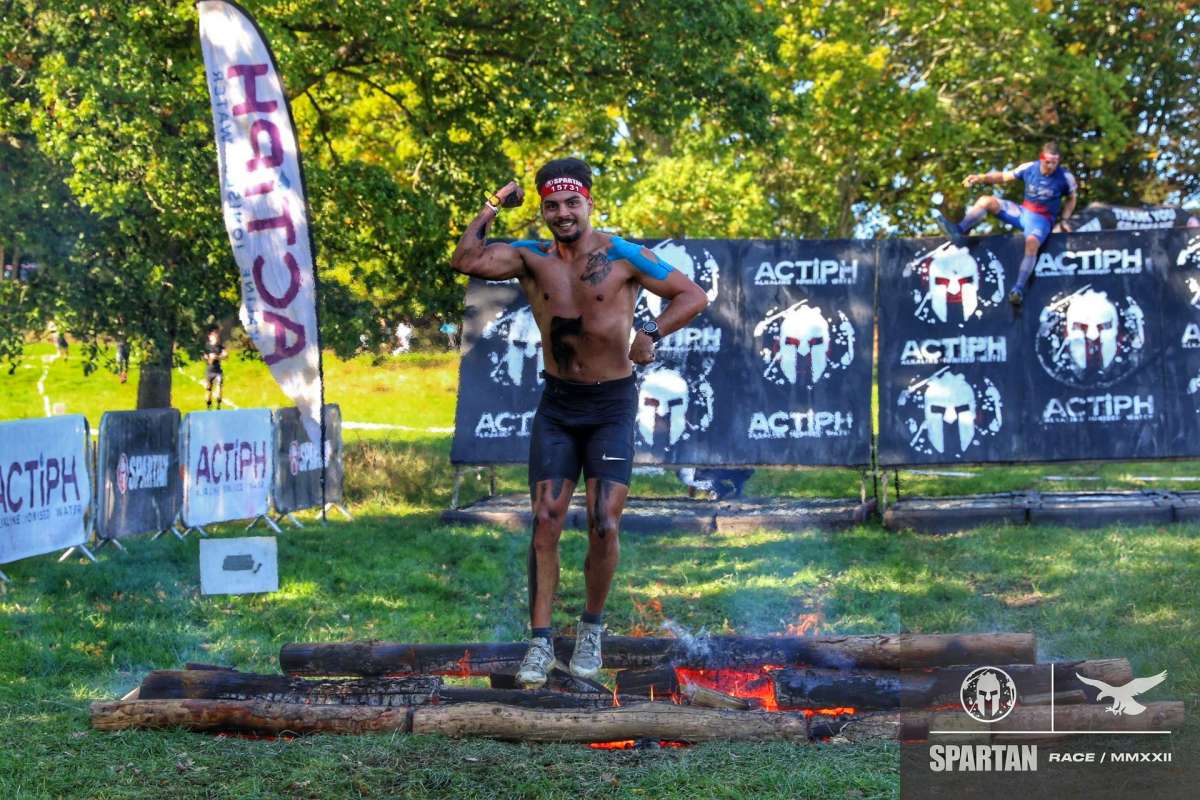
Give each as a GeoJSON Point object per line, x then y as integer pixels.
{"type": "Point", "coordinates": [407, 113]}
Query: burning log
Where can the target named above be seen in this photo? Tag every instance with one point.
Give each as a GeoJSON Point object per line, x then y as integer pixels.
{"type": "Point", "coordinates": [839, 652]}
{"type": "Point", "coordinates": [379, 692]}
{"type": "Point", "coordinates": [912, 689]}
{"type": "Point", "coordinates": [643, 721]}
{"type": "Point", "coordinates": [232, 685]}
{"type": "Point", "coordinates": [710, 698]}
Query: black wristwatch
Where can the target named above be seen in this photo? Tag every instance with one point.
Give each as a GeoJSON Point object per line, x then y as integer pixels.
{"type": "Point", "coordinates": [650, 328]}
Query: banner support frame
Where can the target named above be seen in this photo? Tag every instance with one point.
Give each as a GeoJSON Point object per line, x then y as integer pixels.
{"type": "Point", "coordinates": [267, 519]}
{"type": "Point", "coordinates": [4, 578]}
{"type": "Point", "coordinates": [339, 507]}
{"type": "Point", "coordinates": [81, 548]}
{"type": "Point", "coordinates": [100, 542]}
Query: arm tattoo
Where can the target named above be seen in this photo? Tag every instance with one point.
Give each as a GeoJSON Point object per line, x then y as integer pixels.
{"type": "Point", "coordinates": [597, 269]}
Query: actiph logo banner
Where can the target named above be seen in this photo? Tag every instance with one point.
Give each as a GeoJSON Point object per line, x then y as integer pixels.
{"type": "Point", "coordinates": [228, 462]}
{"type": "Point", "coordinates": [45, 489]}
{"type": "Point", "coordinates": [950, 354]}
{"type": "Point", "coordinates": [262, 195]}
{"type": "Point", "coordinates": [138, 463]}
{"type": "Point", "coordinates": [297, 481]}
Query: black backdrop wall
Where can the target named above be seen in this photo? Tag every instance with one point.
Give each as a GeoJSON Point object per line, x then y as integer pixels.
{"type": "Point", "coordinates": [1102, 361]}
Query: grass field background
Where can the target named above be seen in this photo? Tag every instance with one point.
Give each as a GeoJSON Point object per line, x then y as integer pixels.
{"type": "Point", "coordinates": [75, 632]}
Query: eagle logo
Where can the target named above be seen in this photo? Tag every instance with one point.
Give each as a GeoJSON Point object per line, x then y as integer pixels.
{"type": "Point", "coordinates": [1122, 696]}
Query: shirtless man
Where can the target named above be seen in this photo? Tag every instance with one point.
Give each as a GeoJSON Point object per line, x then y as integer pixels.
{"type": "Point", "coordinates": [582, 288]}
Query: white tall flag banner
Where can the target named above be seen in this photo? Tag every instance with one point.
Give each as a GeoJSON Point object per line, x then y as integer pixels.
{"type": "Point", "coordinates": [262, 195]}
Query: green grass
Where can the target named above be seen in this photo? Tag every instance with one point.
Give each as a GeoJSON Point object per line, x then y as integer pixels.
{"type": "Point", "coordinates": [74, 632]}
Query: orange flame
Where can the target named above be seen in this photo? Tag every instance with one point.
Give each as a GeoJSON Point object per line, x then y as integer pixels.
{"type": "Point", "coordinates": [630, 744]}
{"type": "Point", "coordinates": [464, 665]}
{"type": "Point", "coordinates": [754, 685]}
{"type": "Point", "coordinates": [806, 625]}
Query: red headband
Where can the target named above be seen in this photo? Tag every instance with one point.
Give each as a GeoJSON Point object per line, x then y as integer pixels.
{"type": "Point", "coordinates": [1044, 156]}
{"type": "Point", "coordinates": [564, 185]}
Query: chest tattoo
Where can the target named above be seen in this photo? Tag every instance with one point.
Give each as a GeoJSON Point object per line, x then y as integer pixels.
{"type": "Point", "coordinates": [597, 269]}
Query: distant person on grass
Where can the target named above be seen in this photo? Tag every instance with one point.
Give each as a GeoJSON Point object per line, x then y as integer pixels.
{"type": "Point", "coordinates": [582, 287]}
{"type": "Point", "coordinates": [1046, 184]}
{"type": "Point", "coordinates": [214, 374]}
{"type": "Point", "coordinates": [62, 345]}
{"type": "Point", "coordinates": [122, 360]}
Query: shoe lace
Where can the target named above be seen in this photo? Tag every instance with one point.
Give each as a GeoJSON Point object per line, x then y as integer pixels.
{"type": "Point", "coordinates": [591, 639]}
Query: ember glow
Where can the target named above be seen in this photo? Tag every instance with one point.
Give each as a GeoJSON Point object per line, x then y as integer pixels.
{"type": "Point", "coordinates": [464, 665]}
{"type": "Point", "coordinates": [756, 685]}
{"type": "Point", "coordinates": [631, 744]}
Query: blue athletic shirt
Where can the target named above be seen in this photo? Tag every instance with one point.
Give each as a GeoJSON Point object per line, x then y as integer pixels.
{"type": "Point", "coordinates": [1044, 193]}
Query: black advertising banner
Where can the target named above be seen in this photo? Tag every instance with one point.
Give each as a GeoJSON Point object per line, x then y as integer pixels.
{"type": "Point", "coordinates": [950, 352]}
{"type": "Point", "coordinates": [297, 480]}
{"type": "Point", "coordinates": [1181, 335]}
{"type": "Point", "coordinates": [801, 382]}
{"type": "Point", "coordinates": [1093, 379]}
{"type": "Point", "coordinates": [1102, 217]}
{"type": "Point", "coordinates": [138, 488]}
{"type": "Point", "coordinates": [686, 397]}
{"type": "Point", "coordinates": [679, 405]}
{"type": "Point", "coordinates": [499, 381]}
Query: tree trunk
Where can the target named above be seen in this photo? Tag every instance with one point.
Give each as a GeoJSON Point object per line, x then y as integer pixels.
{"type": "Point", "coordinates": [913, 689]}
{"type": "Point", "coordinates": [842, 652]}
{"type": "Point", "coordinates": [154, 377]}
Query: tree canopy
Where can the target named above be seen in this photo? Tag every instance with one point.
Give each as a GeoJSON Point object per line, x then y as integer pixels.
{"type": "Point", "coordinates": [722, 118]}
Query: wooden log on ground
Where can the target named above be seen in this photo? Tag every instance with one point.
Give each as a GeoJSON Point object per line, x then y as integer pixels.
{"type": "Point", "coordinates": [710, 698]}
{"type": "Point", "coordinates": [385, 692]}
{"type": "Point", "coordinates": [914, 689]}
{"type": "Point", "coordinates": [662, 682]}
{"type": "Point", "coordinates": [622, 652]}
{"type": "Point", "coordinates": [232, 685]}
{"type": "Point", "coordinates": [1069, 719]}
{"type": "Point", "coordinates": [1074, 697]}
{"type": "Point", "coordinates": [642, 721]}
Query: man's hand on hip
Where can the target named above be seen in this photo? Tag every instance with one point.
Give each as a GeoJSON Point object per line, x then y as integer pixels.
{"type": "Point", "coordinates": [642, 349]}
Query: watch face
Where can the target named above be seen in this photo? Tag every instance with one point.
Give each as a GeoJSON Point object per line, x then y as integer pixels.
{"type": "Point", "coordinates": [649, 327]}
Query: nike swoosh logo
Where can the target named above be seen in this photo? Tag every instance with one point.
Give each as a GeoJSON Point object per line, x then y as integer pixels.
{"type": "Point", "coordinates": [607, 457]}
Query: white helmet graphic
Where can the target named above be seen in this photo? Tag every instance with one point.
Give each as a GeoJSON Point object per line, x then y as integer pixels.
{"type": "Point", "coordinates": [662, 404]}
{"type": "Point", "coordinates": [949, 400]}
{"type": "Point", "coordinates": [1092, 330]}
{"type": "Point", "coordinates": [524, 342]}
{"type": "Point", "coordinates": [953, 280]}
{"type": "Point", "coordinates": [677, 256]}
{"type": "Point", "coordinates": [987, 695]}
{"type": "Point", "coordinates": [804, 333]}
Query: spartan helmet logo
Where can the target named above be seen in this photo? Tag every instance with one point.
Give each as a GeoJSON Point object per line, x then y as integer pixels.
{"type": "Point", "coordinates": [1092, 330]}
{"type": "Point", "coordinates": [988, 694]}
{"type": "Point", "coordinates": [953, 280]}
{"type": "Point", "coordinates": [524, 342]}
{"type": "Point", "coordinates": [949, 401]}
{"type": "Point", "coordinates": [804, 334]}
{"type": "Point", "coordinates": [662, 406]}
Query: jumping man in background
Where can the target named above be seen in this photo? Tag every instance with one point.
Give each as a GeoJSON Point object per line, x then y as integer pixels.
{"type": "Point", "coordinates": [582, 288]}
{"type": "Point", "coordinates": [1046, 184]}
{"type": "Point", "coordinates": [214, 375]}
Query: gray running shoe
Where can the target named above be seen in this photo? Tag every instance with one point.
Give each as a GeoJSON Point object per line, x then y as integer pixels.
{"type": "Point", "coordinates": [535, 667]}
{"type": "Point", "coordinates": [586, 661]}
{"type": "Point", "coordinates": [952, 230]}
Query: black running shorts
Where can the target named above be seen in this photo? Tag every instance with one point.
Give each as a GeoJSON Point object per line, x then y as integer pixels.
{"type": "Point", "coordinates": [586, 426]}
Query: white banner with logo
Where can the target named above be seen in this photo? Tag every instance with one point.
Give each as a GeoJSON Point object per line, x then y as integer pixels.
{"type": "Point", "coordinates": [45, 488]}
{"type": "Point", "coordinates": [262, 194]}
{"type": "Point", "coordinates": [228, 461]}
